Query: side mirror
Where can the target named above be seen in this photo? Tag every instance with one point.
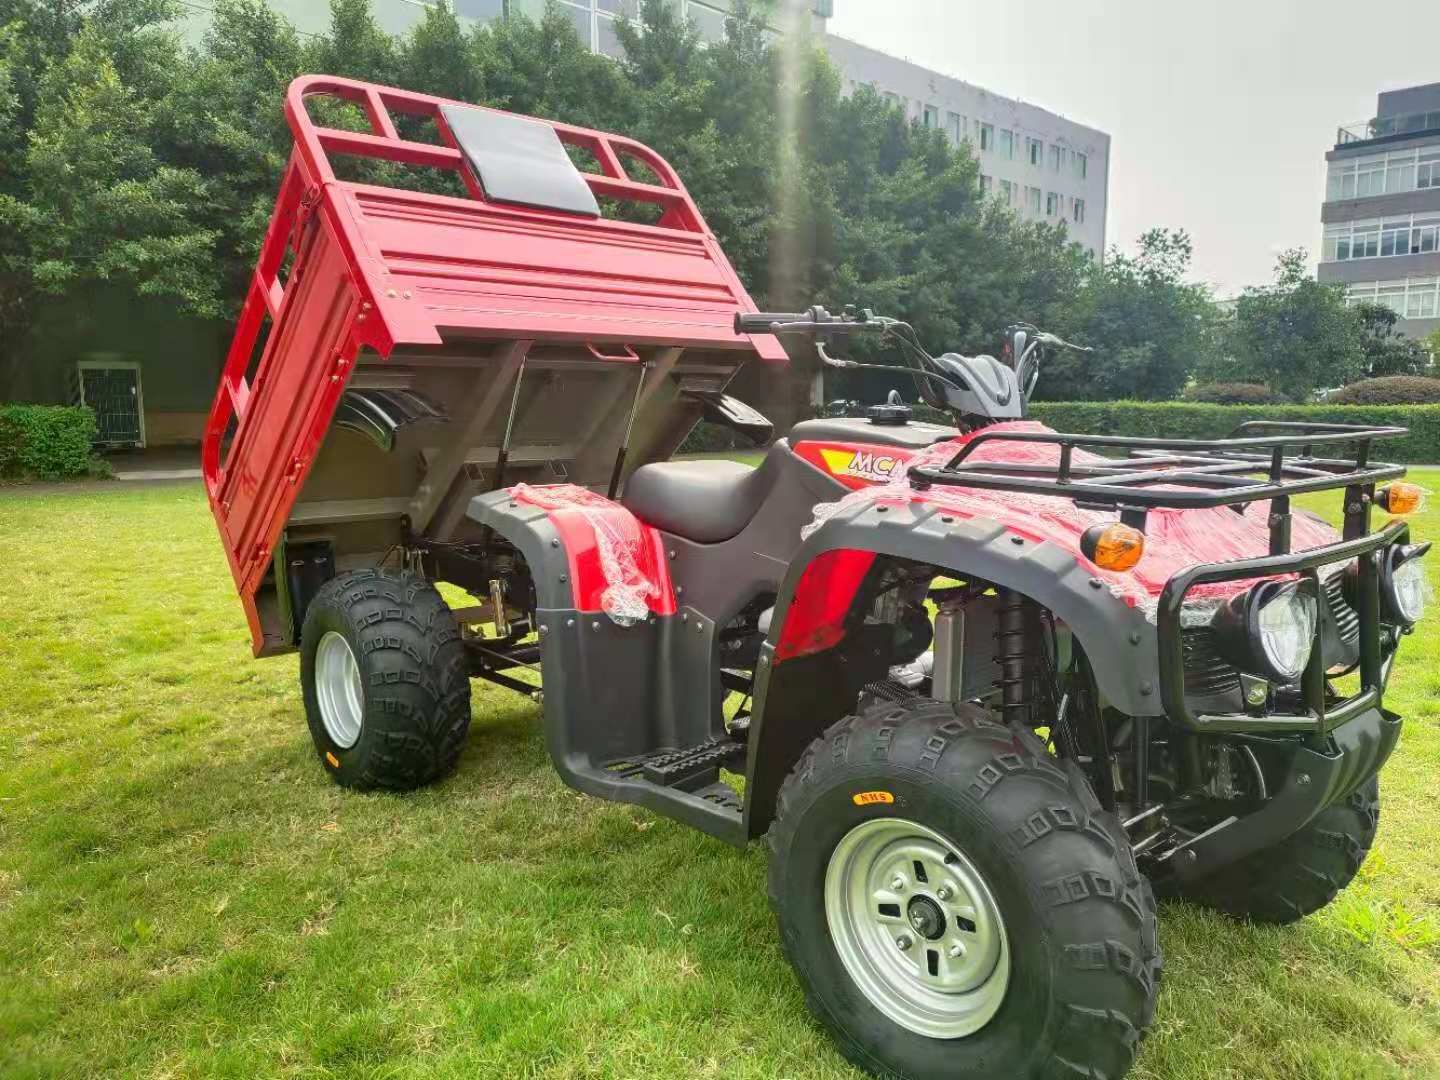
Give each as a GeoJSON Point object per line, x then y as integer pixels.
{"type": "Point", "coordinates": [1017, 348]}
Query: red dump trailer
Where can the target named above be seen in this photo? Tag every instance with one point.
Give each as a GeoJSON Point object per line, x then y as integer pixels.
{"type": "Point", "coordinates": [380, 314]}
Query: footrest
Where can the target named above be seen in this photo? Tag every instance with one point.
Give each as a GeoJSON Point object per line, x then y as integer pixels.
{"type": "Point", "coordinates": [722, 795]}
{"type": "Point", "coordinates": [691, 766]}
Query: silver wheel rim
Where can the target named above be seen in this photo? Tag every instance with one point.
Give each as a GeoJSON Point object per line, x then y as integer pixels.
{"type": "Point", "coordinates": [338, 689]}
{"type": "Point", "coordinates": [888, 880]}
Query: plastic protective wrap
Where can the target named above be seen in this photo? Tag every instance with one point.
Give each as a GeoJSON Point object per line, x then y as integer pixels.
{"type": "Point", "coordinates": [1174, 539]}
{"type": "Point", "coordinates": [620, 542]}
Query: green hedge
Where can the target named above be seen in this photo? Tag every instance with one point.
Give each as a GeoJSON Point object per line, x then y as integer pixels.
{"type": "Point", "coordinates": [45, 442]}
{"type": "Point", "coordinates": [1179, 419]}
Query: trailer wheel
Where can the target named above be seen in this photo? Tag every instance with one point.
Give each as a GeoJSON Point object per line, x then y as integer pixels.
{"type": "Point", "coordinates": [1299, 875]}
{"type": "Point", "coordinates": [957, 904]}
{"type": "Point", "coordinates": [385, 680]}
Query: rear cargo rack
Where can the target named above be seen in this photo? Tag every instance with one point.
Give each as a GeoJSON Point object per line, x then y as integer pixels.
{"type": "Point", "coordinates": [1187, 474]}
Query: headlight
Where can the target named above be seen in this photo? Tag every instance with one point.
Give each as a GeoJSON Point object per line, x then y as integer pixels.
{"type": "Point", "coordinates": [1270, 630]}
{"type": "Point", "coordinates": [1402, 584]}
{"type": "Point", "coordinates": [1285, 628]}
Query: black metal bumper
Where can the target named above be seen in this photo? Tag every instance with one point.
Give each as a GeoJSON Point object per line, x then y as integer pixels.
{"type": "Point", "coordinates": [1319, 712]}
{"type": "Point", "coordinates": [1317, 778]}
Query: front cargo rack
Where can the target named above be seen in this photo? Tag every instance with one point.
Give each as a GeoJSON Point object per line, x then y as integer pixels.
{"type": "Point", "coordinates": [1250, 465]}
{"type": "Point", "coordinates": [1186, 474]}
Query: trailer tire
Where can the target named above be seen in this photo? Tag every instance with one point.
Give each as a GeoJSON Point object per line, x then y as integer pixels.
{"type": "Point", "coordinates": [1302, 874]}
{"type": "Point", "coordinates": [385, 680]}
{"type": "Point", "coordinates": [1057, 879]}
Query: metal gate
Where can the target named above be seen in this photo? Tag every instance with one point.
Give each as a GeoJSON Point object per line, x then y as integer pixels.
{"type": "Point", "coordinates": [112, 390]}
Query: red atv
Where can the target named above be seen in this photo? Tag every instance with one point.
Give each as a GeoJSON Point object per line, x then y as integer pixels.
{"type": "Point", "coordinates": [986, 684]}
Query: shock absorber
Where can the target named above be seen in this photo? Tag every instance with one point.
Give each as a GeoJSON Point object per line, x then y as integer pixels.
{"type": "Point", "coordinates": [1011, 655]}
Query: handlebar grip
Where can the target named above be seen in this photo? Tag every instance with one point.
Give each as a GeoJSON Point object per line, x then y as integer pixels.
{"type": "Point", "coordinates": [759, 322]}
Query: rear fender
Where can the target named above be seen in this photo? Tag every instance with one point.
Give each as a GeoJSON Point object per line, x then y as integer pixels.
{"type": "Point", "coordinates": [819, 654]}
{"type": "Point", "coordinates": [612, 692]}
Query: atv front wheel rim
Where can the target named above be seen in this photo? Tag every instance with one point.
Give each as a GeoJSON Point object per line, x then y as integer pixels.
{"type": "Point", "coordinates": [917, 928]}
{"type": "Point", "coordinates": [338, 689]}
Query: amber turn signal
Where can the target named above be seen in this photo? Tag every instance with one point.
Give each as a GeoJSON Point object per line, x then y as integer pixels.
{"type": "Point", "coordinates": [1114, 546]}
{"type": "Point", "coordinates": [1400, 498]}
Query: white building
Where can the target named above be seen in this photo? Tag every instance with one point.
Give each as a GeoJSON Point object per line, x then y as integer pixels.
{"type": "Point", "coordinates": [1035, 161]}
{"type": "Point", "coordinates": [1040, 164]}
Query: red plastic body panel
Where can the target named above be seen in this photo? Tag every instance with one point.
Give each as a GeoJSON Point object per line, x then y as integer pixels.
{"type": "Point", "coordinates": [382, 268]}
{"type": "Point", "coordinates": [578, 515]}
{"type": "Point", "coordinates": [1174, 539]}
{"type": "Point", "coordinates": [816, 618]}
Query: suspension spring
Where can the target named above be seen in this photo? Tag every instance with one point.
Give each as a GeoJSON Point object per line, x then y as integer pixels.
{"type": "Point", "coordinates": [1011, 655]}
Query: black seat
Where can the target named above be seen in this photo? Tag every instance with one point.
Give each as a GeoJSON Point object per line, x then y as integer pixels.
{"type": "Point", "coordinates": [704, 501]}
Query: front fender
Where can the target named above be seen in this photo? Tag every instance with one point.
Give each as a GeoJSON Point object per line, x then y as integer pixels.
{"type": "Point", "coordinates": [805, 674]}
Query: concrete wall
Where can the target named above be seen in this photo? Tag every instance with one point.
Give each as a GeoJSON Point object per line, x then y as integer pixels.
{"type": "Point", "coordinates": [920, 87]}
{"type": "Point", "coordinates": [1412, 99]}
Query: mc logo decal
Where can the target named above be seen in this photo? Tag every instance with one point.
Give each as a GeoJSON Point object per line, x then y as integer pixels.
{"type": "Point", "coordinates": [865, 464]}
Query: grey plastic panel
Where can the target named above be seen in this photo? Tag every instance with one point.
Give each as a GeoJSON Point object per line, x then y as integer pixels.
{"type": "Point", "coordinates": [612, 692]}
{"type": "Point", "coordinates": [913, 435]}
{"type": "Point", "coordinates": [797, 699]}
{"type": "Point", "coordinates": [520, 161]}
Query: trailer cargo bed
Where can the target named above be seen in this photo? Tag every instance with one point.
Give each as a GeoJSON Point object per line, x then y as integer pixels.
{"type": "Point", "coordinates": [401, 350]}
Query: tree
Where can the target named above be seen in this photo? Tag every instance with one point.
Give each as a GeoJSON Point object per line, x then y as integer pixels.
{"type": "Point", "coordinates": [131, 159]}
{"type": "Point", "coordinates": [1149, 327]}
{"type": "Point", "coordinates": [1386, 351]}
{"type": "Point", "coordinates": [1297, 335]}
{"type": "Point", "coordinates": [1432, 348]}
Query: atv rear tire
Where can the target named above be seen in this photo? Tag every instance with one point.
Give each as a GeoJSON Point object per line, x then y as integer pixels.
{"type": "Point", "coordinates": [1300, 875]}
{"type": "Point", "coordinates": [1005, 840]}
{"type": "Point", "coordinates": [385, 679]}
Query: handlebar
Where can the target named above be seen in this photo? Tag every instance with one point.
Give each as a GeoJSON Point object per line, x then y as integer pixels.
{"type": "Point", "coordinates": [760, 322]}
{"type": "Point", "coordinates": [1045, 338]}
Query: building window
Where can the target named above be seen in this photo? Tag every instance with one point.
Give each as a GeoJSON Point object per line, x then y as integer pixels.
{"type": "Point", "coordinates": [1034, 151]}
{"type": "Point", "coordinates": [1079, 211]}
{"type": "Point", "coordinates": [479, 10]}
{"type": "Point", "coordinates": [1427, 173]}
{"type": "Point", "coordinates": [1425, 236]}
{"type": "Point", "coordinates": [1383, 174]}
{"type": "Point", "coordinates": [1057, 155]}
{"type": "Point", "coordinates": [1007, 144]}
{"type": "Point", "coordinates": [1007, 192]}
{"type": "Point", "coordinates": [1082, 165]}
{"type": "Point", "coordinates": [1395, 239]}
{"type": "Point", "coordinates": [595, 22]}
{"type": "Point", "coordinates": [930, 116]}
{"type": "Point", "coordinates": [1381, 238]}
{"type": "Point", "coordinates": [1052, 204]}
{"type": "Point", "coordinates": [987, 183]}
{"type": "Point", "coordinates": [708, 20]}
{"type": "Point", "coordinates": [1422, 305]}
{"type": "Point", "coordinates": [1032, 199]}
{"type": "Point", "coordinates": [1415, 298]}
{"type": "Point", "coordinates": [955, 127]}
{"type": "Point", "coordinates": [987, 135]}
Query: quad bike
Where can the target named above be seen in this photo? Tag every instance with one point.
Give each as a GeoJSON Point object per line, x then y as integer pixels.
{"type": "Point", "coordinates": [989, 686]}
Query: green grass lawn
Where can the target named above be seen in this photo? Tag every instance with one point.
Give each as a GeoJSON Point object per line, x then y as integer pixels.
{"type": "Point", "coordinates": [184, 893]}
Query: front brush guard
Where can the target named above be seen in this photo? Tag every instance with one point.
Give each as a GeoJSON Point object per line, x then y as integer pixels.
{"type": "Point", "coordinates": [1317, 778]}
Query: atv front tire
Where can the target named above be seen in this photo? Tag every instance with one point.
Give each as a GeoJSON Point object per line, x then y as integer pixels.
{"type": "Point", "coordinates": [1300, 875]}
{"type": "Point", "coordinates": [957, 904]}
{"type": "Point", "coordinates": [385, 680]}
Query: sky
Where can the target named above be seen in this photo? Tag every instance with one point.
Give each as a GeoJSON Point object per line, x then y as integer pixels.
{"type": "Point", "coordinates": [1219, 112]}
